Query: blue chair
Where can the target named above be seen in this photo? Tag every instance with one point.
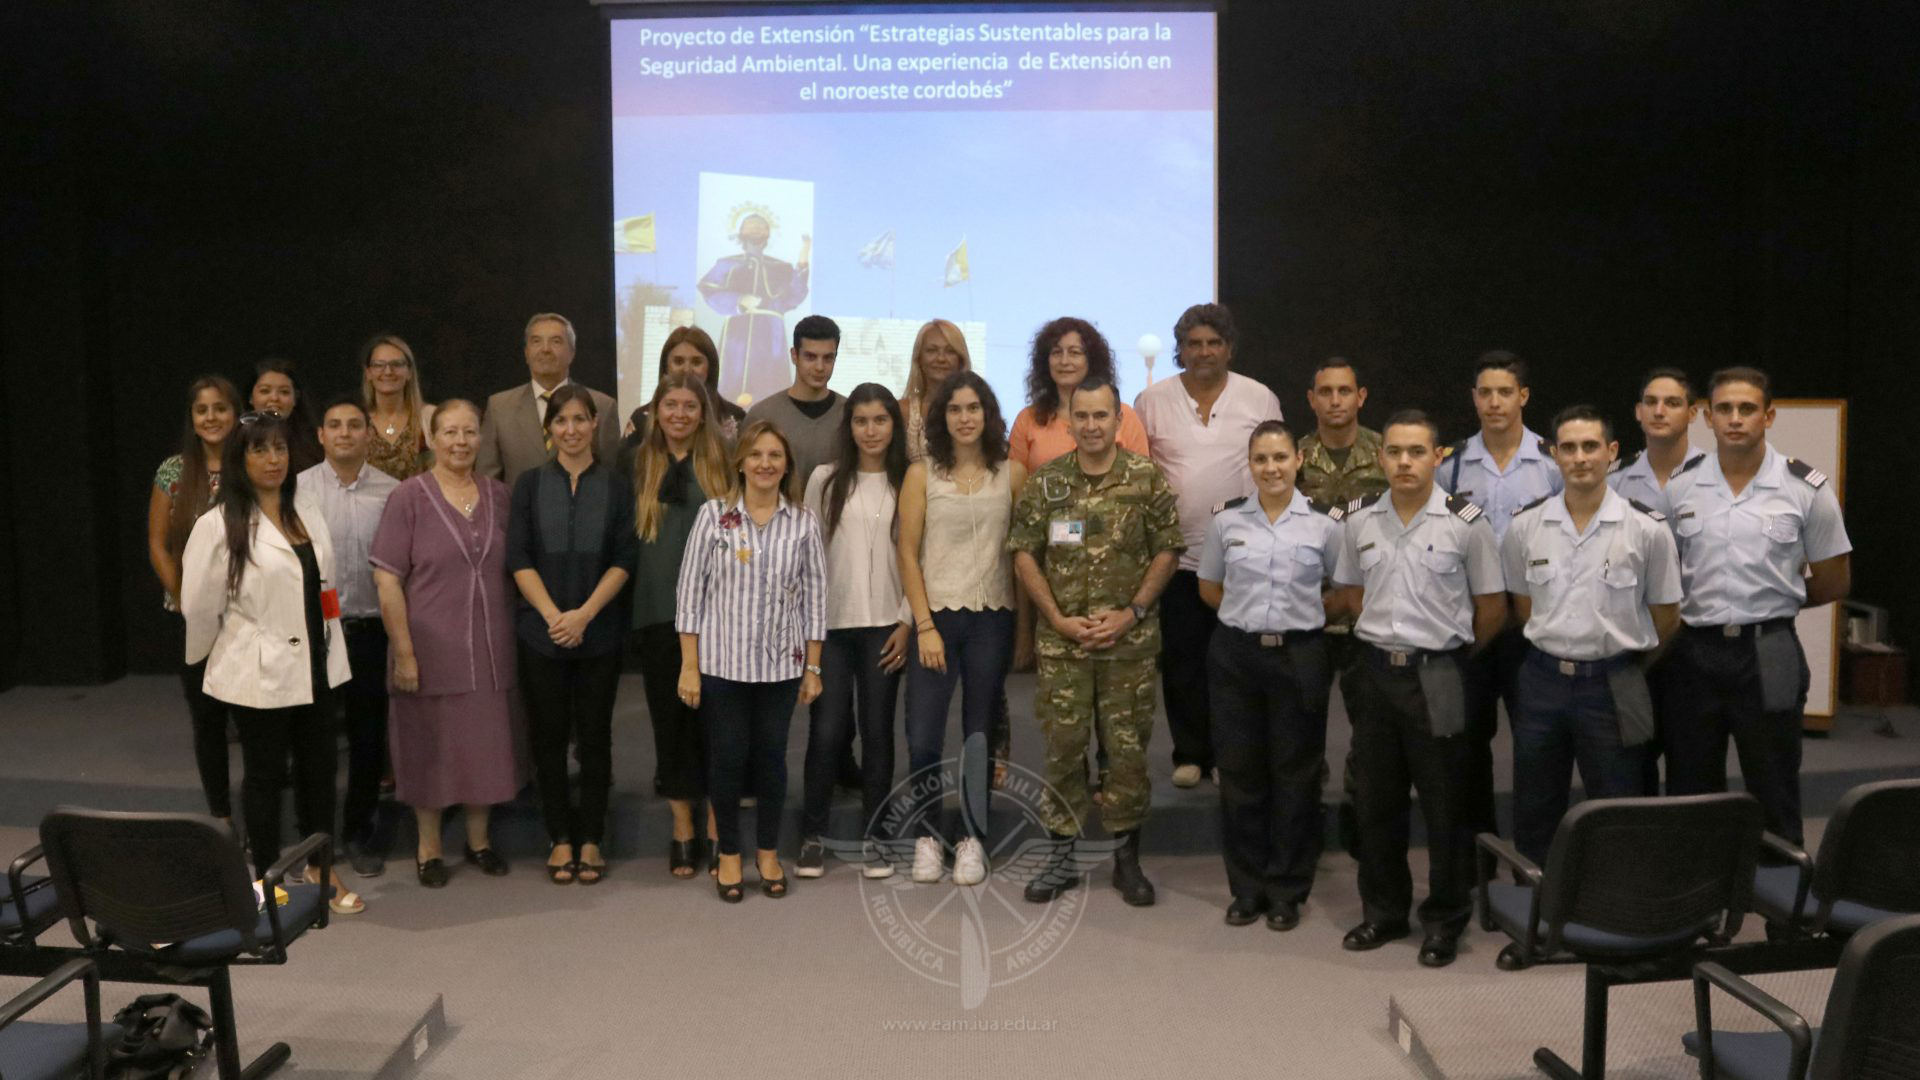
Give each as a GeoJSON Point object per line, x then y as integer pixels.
{"type": "Point", "coordinates": [1868, 869]}
{"type": "Point", "coordinates": [29, 906]}
{"type": "Point", "coordinates": [1872, 1026]}
{"type": "Point", "coordinates": [168, 898]}
{"type": "Point", "coordinates": [40, 1051]}
{"type": "Point", "coordinates": [1627, 881]}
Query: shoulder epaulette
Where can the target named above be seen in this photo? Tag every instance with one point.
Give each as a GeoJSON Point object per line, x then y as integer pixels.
{"type": "Point", "coordinates": [1806, 472]}
{"type": "Point", "coordinates": [1689, 466]}
{"type": "Point", "coordinates": [1518, 512]}
{"type": "Point", "coordinates": [1230, 504]}
{"type": "Point", "coordinates": [1334, 512]}
{"type": "Point", "coordinates": [1464, 509]}
{"type": "Point", "coordinates": [1647, 510]}
{"type": "Point", "coordinates": [1362, 503]}
{"type": "Point", "coordinates": [1456, 448]}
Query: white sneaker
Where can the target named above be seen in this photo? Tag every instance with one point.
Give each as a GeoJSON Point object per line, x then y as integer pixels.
{"type": "Point", "coordinates": [875, 865]}
{"type": "Point", "coordinates": [969, 863]}
{"type": "Point", "coordinates": [1186, 776]}
{"type": "Point", "coordinates": [929, 865]}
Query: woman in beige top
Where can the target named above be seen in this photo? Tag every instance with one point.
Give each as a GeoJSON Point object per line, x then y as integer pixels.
{"type": "Point", "coordinates": [939, 350]}
{"type": "Point", "coordinates": [954, 511]}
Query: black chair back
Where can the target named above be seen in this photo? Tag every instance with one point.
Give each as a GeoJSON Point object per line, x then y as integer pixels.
{"type": "Point", "coordinates": [1652, 867]}
{"type": "Point", "coordinates": [147, 879]}
{"type": "Point", "coordinates": [1872, 1026]}
{"type": "Point", "coordinates": [1870, 853]}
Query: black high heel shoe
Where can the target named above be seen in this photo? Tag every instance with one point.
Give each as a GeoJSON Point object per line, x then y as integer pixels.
{"type": "Point", "coordinates": [681, 856]}
{"type": "Point", "coordinates": [733, 893]}
{"type": "Point", "coordinates": [775, 887]}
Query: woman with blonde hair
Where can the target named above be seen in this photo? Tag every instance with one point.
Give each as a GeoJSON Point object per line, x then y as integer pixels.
{"type": "Point", "coordinates": [397, 408]}
{"type": "Point", "coordinates": [939, 350]}
{"type": "Point", "coordinates": [680, 465]}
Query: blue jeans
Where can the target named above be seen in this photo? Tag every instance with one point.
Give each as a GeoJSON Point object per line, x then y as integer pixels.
{"type": "Point", "coordinates": [746, 726]}
{"type": "Point", "coordinates": [1565, 720]}
{"type": "Point", "coordinates": [853, 690]}
{"type": "Point", "coordinates": [979, 647]}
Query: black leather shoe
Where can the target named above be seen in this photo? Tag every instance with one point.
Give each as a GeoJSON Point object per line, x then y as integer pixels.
{"type": "Point", "coordinates": [1283, 915]}
{"type": "Point", "coordinates": [489, 861]}
{"type": "Point", "coordinates": [432, 873]}
{"type": "Point", "coordinates": [1512, 958]}
{"type": "Point", "coordinates": [1243, 911]}
{"type": "Point", "coordinates": [1439, 950]}
{"type": "Point", "coordinates": [1372, 935]}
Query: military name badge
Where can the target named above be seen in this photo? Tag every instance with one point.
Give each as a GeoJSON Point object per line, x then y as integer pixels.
{"type": "Point", "coordinates": [1066, 532]}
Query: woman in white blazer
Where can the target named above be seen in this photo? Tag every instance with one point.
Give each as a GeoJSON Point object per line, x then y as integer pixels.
{"type": "Point", "coordinates": [260, 607]}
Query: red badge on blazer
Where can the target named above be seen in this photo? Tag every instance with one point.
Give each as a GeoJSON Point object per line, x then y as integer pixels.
{"type": "Point", "coordinates": [330, 603]}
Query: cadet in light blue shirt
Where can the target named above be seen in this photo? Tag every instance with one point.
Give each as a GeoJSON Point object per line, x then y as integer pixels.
{"type": "Point", "coordinates": [1760, 537]}
{"type": "Point", "coordinates": [1502, 469]}
{"type": "Point", "coordinates": [1264, 564]}
{"type": "Point", "coordinates": [1665, 412]}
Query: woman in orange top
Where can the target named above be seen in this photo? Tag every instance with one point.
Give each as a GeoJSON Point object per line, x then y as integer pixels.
{"type": "Point", "coordinates": [1065, 352]}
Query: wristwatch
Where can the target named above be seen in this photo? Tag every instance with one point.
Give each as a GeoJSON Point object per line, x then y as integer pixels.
{"type": "Point", "coordinates": [1139, 613]}
{"type": "Point", "coordinates": [815, 668]}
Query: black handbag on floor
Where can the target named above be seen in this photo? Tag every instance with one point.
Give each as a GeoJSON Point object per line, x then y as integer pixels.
{"type": "Point", "coordinates": [163, 1036]}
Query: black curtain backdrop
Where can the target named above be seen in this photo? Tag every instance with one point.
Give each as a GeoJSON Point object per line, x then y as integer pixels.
{"type": "Point", "coordinates": [1600, 185]}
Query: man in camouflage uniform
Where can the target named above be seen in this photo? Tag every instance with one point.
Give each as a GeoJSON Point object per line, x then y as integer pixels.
{"type": "Point", "coordinates": [1096, 537]}
{"type": "Point", "coordinates": [1340, 462]}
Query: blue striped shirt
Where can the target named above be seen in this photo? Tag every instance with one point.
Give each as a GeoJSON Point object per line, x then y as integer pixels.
{"type": "Point", "coordinates": [755, 595]}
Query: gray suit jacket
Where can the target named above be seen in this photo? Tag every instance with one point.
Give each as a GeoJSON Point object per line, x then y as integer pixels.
{"type": "Point", "coordinates": [511, 441]}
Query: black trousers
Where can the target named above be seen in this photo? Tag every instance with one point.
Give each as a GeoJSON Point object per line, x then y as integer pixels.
{"type": "Point", "coordinates": [1186, 628]}
{"type": "Point", "coordinates": [1493, 676]}
{"type": "Point", "coordinates": [571, 698]}
{"type": "Point", "coordinates": [268, 739]}
{"type": "Point", "coordinates": [1716, 695]}
{"type": "Point", "coordinates": [364, 713]}
{"type": "Point", "coordinates": [853, 691]}
{"type": "Point", "coordinates": [1270, 739]}
{"type": "Point", "coordinates": [209, 718]}
{"type": "Point", "coordinates": [747, 726]}
{"type": "Point", "coordinates": [1393, 748]}
{"type": "Point", "coordinates": [678, 758]}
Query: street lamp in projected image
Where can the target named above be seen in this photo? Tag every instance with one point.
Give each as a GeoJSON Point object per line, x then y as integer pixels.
{"type": "Point", "coordinates": [1149, 347]}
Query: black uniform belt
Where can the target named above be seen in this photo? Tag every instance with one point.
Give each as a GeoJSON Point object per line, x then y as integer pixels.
{"type": "Point", "coordinates": [360, 622]}
{"type": "Point", "coordinates": [1408, 658]}
{"type": "Point", "coordinates": [1271, 641]}
{"type": "Point", "coordinates": [1746, 630]}
{"type": "Point", "coordinates": [1581, 669]}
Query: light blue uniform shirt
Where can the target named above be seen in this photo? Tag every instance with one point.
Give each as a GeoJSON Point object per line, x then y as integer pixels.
{"type": "Point", "coordinates": [1741, 555]}
{"type": "Point", "coordinates": [1420, 578]}
{"type": "Point", "coordinates": [1591, 590]}
{"type": "Point", "coordinates": [1271, 573]}
{"type": "Point", "coordinates": [353, 514]}
{"type": "Point", "coordinates": [1471, 474]}
{"type": "Point", "coordinates": [1635, 478]}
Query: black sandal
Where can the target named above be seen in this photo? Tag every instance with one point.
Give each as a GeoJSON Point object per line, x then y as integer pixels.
{"type": "Point", "coordinates": [561, 873]}
{"type": "Point", "coordinates": [582, 868]}
{"type": "Point", "coordinates": [774, 887]}
{"type": "Point", "coordinates": [680, 856]}
{"type": "Point", "coordinates": [733, 893]}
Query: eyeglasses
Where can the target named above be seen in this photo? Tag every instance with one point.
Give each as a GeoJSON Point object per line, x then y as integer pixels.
{"type": "Point", "coordinates": [386, 365]}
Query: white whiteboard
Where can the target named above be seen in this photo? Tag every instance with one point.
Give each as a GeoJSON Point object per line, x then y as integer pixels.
{"type": "Point", "coordinates": [1815, 431]}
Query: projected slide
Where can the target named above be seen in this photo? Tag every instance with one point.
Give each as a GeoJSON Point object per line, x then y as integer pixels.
{"type": "Point", "coordinates": [992, 169]}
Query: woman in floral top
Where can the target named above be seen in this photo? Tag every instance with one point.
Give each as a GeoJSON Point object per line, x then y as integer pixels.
{"type": "Point", "coordinates": [185, 486]}
{"type": "Point", "coordinates": [397, 409]}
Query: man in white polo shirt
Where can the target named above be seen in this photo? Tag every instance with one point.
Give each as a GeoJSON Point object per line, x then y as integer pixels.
{"type": "Point", "coordinates": [1197, 426]}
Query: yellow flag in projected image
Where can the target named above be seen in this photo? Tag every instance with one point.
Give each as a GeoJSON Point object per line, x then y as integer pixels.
{"type": "Point", "coordinates": [634, 235]}
{"type": "Point", "coordinates": [957, 271]}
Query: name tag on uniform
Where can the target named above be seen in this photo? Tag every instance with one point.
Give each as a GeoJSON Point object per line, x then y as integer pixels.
{"type": "Point", "coordinates": [1066, 532]}
{"type": "Point", "coordinates": [1538, 562]}
{"type": "Point", "coordinates": [1368, 546]}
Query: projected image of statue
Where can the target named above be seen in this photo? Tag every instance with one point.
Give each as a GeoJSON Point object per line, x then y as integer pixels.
{"type": "Point", "coordinates": [753, 291]}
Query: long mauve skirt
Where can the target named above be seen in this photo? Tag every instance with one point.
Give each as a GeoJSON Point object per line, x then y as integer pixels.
{"type": "Point", "coordinates": [456, 748]}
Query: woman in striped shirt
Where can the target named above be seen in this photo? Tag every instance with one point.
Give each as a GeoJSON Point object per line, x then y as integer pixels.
{"type": "Point", "coordinates": [751, 610]}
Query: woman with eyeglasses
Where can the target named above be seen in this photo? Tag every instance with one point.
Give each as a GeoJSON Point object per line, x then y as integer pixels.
{"type": "Point", "coordinates": [440, 563]}
{"type": "Point", "coordinates": [397, 410]}
{"type": "Point", "coordinates": [276, 390]}
{"type": "Point", "coordinates": [186, 486]}
{"type": "Point", "coordinates": [262, 613]}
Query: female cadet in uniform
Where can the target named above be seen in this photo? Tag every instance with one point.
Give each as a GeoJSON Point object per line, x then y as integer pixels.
{"type": "Point", "coordinates": [1263, 565]}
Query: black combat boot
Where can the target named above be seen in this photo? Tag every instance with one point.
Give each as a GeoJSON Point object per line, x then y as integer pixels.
{"type": "Point", "coordinates": [1057, 875]}
{"type": "Point", "coordinates": [1134, 887]}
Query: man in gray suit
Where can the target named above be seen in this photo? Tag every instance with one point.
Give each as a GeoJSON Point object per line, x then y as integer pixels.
{"type": "Point", "coordinates": [512, 439]}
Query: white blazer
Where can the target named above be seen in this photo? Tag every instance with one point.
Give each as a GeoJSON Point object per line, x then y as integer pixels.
{"type": "Point", "coordinates": [255, 642]}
